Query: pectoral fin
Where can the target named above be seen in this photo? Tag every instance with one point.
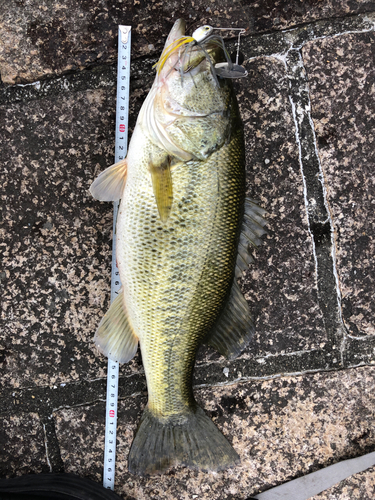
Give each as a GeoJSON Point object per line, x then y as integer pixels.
{"type": "Point", "coordinates": [162, 186]}
{"type": "Point", "coordinates": [110, 184]}
{"type": "Point", "coordinates": [114, 337]}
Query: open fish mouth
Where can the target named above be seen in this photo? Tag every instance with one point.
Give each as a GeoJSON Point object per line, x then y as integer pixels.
{"type": "Point", "coordinates": [175, 114]}
{"type": "Point", "coordinates": [185, 53]}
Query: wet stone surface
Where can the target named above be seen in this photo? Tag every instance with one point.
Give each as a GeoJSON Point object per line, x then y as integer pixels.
{"type": "Point", "coordinates": [40, 38]}
{"type": "Point", "coordinates": [58, 134]}
{"type": "Point", "coordinates": [341, 76]}
{"type": "Point", "coordinates": [281, 284]}
{"type": "Point", "coordinates": [281, 428]}
{"type": "Point", "coordinates": [57, 239]}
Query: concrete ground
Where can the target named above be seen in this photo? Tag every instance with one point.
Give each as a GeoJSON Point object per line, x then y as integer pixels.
{"type": "Point", "coordinates": [302, 395]}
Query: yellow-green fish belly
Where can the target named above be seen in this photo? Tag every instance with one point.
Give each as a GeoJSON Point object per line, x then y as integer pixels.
{"type": "Point", "coordinates": [177, 275]}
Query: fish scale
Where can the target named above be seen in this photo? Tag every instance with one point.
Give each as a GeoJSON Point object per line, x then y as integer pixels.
{"type": "Point", "coordinates": [184, 255]}
{"type": "Point", "coordinates": [181, 238]}
{"type": "Point", "coordinates": [205, 236]}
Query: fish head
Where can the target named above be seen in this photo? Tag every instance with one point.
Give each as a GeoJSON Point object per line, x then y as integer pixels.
{"type": "Point", "coordinates": [187, 112]}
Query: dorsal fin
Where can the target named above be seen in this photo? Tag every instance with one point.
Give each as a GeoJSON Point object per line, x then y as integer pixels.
{"type": "Point", "coordinates": [251, 232]}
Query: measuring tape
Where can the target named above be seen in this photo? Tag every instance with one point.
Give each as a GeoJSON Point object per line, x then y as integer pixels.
{"type": "Point", "coordinates": [121, 147]}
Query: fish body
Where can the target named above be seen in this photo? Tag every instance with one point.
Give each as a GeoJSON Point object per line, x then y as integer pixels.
{"type": "Point", "coordinates": [179, 227]}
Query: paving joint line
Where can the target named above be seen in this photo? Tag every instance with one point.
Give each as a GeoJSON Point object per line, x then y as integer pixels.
{"type": "Point", "coordinates": [53, 452]}
{"type": "Point", "coordinates": [256, 45]}
{"type": "Point", "coordinates": [320, 224]}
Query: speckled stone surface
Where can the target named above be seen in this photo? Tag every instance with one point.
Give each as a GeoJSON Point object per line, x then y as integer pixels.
{"type": "Point", "coordinates": [360, 486]}
{"type": "Point", "coordinates": [56, 240]}
{"type": "Point", "coordinates": [55, 244]}
{"type": "Point", "coordinates": [40, 38]}
{"type": "Point", "coordinates": [281, 285]}
{"type": "Point", "coordinates": [22, 445]}
{"type": "Point", "coordinates": [281, 428]}
{"type": "Point", "coordinates": [341, 75]}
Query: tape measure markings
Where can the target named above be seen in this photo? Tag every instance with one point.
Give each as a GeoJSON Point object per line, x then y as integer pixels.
{"type": "Point", "coordinates": [121, 146]}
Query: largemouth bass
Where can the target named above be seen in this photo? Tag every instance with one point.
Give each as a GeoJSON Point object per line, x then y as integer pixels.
{"type": "Point", "coordinates": [183, 233]}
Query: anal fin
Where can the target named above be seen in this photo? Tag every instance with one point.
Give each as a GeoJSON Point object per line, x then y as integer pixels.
{"type": "Point", "coordinates": [234, 328]}
{"type": "Point", "coordinates": [114, 337]}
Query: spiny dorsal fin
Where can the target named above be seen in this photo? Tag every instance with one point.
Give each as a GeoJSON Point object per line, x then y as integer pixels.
{"type": "Point", "coordinates": [110, 184]}
{"type": "Point", "coordinates": [114, 337]}
{"type": "Point", "coordinates": [234, 327]}
{"type": "Point", "coordinates": [162, 186]}
{"type": "Point", "coordinates": [251, 232]}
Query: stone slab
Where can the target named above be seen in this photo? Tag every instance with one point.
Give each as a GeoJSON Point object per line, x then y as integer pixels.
{"type": "Point", "coordinates": [22, 445]}
{"type": "Point", "coordinates": [40, 38]}
{"type": "Point", "coordinates": [341, 75]}
{"type": "Point", "coordinates": [281, 284]}
{"type": "Point", "coordinates": [282, 429]}
{"type": "Point", "coordinates": [56, 240]}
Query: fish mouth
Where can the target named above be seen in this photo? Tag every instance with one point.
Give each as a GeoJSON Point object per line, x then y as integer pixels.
{"type": "Point", "coordinates": [176, 38]}
{"type": "Point", "coordinates": [186, 91]}
{"type": "Point", "coordinates": [184, 53]}
{"type": "Point", "coordinates": [177, 31]}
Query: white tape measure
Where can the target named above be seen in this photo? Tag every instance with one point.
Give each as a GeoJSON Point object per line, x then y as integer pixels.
{"type": "Point", "coordinates": [121, 147]}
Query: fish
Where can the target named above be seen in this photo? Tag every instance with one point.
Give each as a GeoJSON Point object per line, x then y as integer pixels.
{"type": "Point", "coordinates": [183, 236]}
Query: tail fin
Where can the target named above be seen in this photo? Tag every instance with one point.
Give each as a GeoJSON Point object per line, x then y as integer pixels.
{"type": "Point", "coordinates": [191, 440]}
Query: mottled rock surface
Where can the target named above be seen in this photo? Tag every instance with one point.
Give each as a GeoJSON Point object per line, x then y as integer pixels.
{"type": "Point", "coordinates": [22, 445]}
{"type": "Point", "coordinates": [307, 107]}
{"type": "Point", "coordinates": [341, 75]}
{"type": "Point", "coordinates": [41, 38]}
{"type": "Point", "coordinates": [281, 285]}
{"type": "Point", "coordinates": [360, 486]}
{"type": "Point", "coordinates": [281, 428]}
{"type": "Point", "coordinates": [56, 239]}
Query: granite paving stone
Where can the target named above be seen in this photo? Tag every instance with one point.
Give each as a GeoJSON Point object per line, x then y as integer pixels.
{"type": "Point", "coordinates": [281, 428]}
{"type": "Point", "coordinates": [42, 38]}
{"type": "Point", "coordinates": [22, 445]}
{"type": "Point", "coordinates": [341, 77]}
{"type": "Point", "coordinates": [56, 240]}
{"type": "Point", "coordinates": [281, 284]}
{"type": "Point", "coordinates": [301, 396]}
{"type": "Point", "coordinates": [66, 36]}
